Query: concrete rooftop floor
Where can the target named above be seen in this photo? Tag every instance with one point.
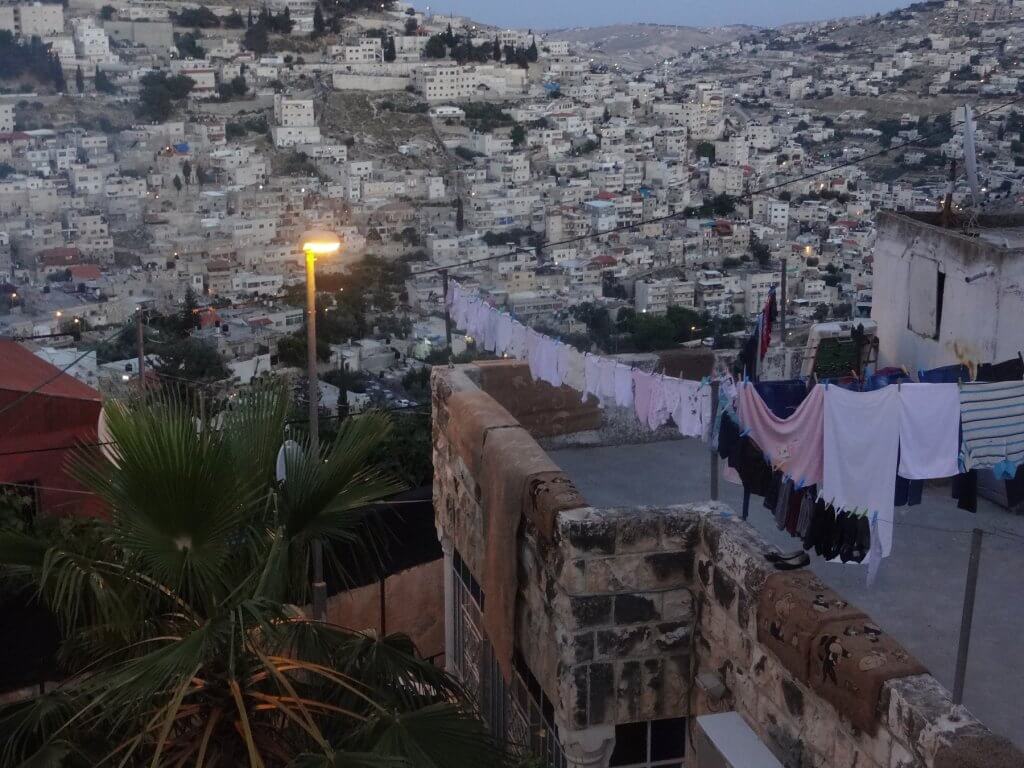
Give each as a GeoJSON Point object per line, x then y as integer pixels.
{"type": "Point", "coordinates": [918, 596]}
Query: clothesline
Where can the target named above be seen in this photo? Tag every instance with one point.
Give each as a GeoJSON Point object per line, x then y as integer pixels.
{"type": "Point", "coordinates": [656, 399]}
{"type": "Point", "coordinates": [853, 456]}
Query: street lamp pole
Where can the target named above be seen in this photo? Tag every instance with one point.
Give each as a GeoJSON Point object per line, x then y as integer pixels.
{"type": "Point", "coordinates": [319, 585]}
{"type": "Point", "coordinates": [315, 243]}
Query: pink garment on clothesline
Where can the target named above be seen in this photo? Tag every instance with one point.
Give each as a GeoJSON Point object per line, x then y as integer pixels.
{"type": "Point", "coordinates": [794, 445]}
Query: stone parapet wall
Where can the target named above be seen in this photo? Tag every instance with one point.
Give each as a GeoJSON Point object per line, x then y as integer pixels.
{"type": "Point", "coordinates": [619, 610]}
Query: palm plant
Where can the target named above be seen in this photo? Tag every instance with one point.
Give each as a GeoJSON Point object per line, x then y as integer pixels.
{"type": "Point", "coordinates": [181, 636]}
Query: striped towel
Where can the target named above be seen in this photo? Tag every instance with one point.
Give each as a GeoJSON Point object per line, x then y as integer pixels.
{"type": "Point", "coordinates": [992, 418]}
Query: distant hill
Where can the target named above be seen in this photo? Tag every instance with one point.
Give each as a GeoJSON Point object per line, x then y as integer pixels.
{"type": "Point", "coordinates": [644, 45]}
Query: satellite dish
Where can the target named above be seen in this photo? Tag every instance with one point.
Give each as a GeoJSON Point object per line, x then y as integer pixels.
{"type": "Point", "coordinates": [970, 153]}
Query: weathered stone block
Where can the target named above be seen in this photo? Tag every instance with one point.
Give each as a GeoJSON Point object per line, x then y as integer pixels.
{"type": "Point", "coordinates": [633, 609]}
{"type": "Point", "coordinates": [615, 574]}
{"type": "Point", "coordinates": [675, 685]}
{"type": "Point", "coordinates": [623, 642]}
{"type": "Point", "coordinates": [673, 636]}
{"type": "Point", "coordinates": [677, 605]}
{"type": "Point", "coordinates": [583, 647]}
{"type": "Point", "coordinates": [671, 568]}
{"type": "Point", "coordinates": [680, 527]}
{"type": "Point", "coordinates": [595, 535]}
{"type": "Point", "coordinates": [602, 694]}
{"type": "Point", "coordinates": [638, 532]}
{"type": "Point", "coordinates": [591, 611]}
{"type": "Point", "coordinates": [628, 692]}
{"type": "Point", "coordinates": [652, 699]}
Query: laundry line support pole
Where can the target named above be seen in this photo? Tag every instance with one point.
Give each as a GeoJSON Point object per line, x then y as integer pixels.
{"type": "Point", "coordinates": [714, 453]}
{"type": "Point", "coordinates": [746, 503]}
{"type": "Point", "coordinates": [447, 313]}
{"type": "Point", "coordinates": [970, 589]}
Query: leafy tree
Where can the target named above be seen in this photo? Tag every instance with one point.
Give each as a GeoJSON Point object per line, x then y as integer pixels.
{"type": "Point", "coordinates": [196, 18]}
{"type": "Point", "coordinates": [180, 637]}
{"type": "Point", "coordinates": [531, 52]}
{"type": "Point", "coordinates": [460, 215]}
{"type": "Point", "coordinates": [79, 80]}
{"type": "Point", "coordinates": [59, 83]}
{"type": "Point", "coordinates": [435, 47]}
{"type": "Point", "coordinates": [188, 46]}
{"type": "Point", "coordinates": [179, 86]}
{"type": "Point", "coordinates": [29, 58]}
{"type": "Point", "coordinates": [177, 183]}
{"type": "Point", "coordinates": [107, 12]}
{"type": "Point", "coordinates": [291, 349]}
{"type": "Point", "coordinates": [390, 54]}
{"type": "Point", "coordinates": [496, 49]}
{"type": "Point", "coordinates": [761, 252]}
{"type": "Point", "coordinates": [233, 20]}
{"type": "Point", "coordinates": [706, 149]}
{"type": "Point", "coordinates": [186, 171]}
{"type": "Point", "coordinates": [283, 23]}
{"type": "Point", "coordinates": [411, 25]}
{"type": "Point", "coordinates": [319, 25]}
{"type": "Point", "coordinates": [191, 358]}
{"type": "Point", "coordinates": [722, 205]}
{"type": "Point", "coordinates": [239, 86]}
{"type": "Point", "coordinates": [256, 39]}
{"type": "Point", "coordinates": [518, 135]}
{"type": "Point", "coordinates": [102, 82]}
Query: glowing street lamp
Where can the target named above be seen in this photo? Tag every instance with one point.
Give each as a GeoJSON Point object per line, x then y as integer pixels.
{"type": "Point", "coordinates": [315, 244]}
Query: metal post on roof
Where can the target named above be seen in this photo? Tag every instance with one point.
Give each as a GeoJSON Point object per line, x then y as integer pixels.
{"type": "Point", "coordinates": [714, 453]}
{"type": "Point", "coordinates": [447, 312]}
{"type": "Point", "coordinates": [970, 589]}
{"type": "Point", "coordinates": [140, 348]}
{"type": "Point", "coordinates": [782, 303]}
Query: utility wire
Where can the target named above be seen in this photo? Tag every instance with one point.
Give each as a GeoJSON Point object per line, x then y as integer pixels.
{"type": "Point", "coordinates": [745, 195]}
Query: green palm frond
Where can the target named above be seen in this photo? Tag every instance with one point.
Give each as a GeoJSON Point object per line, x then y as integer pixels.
{"type": "Point", "coordinates": [254, 425]}
{"type": "Point", "coordinates": [436, 736]}
{"type": "Point", "coordinates": [318, 497]}
{"type": "Point", "coordinates": [177, 501]}
{"type": "Point", "coordinates": [349, 760]}
{"type": "Point", "coordinates": [30, 730]}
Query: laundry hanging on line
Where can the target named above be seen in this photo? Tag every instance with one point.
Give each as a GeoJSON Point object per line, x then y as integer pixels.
{"type": "Point", "coordinates": [612, 383]}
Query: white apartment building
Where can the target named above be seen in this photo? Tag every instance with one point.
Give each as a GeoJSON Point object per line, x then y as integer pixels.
{"type": "Point", "coordinates": [249, 283]}
{"type": "Point", "coordinates": [777, 215]}
{"type": "Point", "coordinates": [446, 83]}
{"type": "Point", "coordinates": [6, 118]}
{"type": "Point", "coordinates": [254, 230]}
{"type": "Point", "coordinates": [656, 296]}
{"type": "Point", "coordinates": [91, 42]}
{"type": "Point", "coordinates": [33, 19]}
{"type": "Point", "coordinates": [294, 122]}
{"type": "Point", "coordinates": [729, 179]}
{"type": "Point", "coordinates": [756, 286]}
{"type": "Point", "coordinates": [86, 180]}
{"type": "Point", "coordinates": [367, 50]}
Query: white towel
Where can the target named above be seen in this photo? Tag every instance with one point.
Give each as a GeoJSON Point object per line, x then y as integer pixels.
{"type": "Point", "coordinates": [929, 430]}
{"type": "Point", "coordinates": [623, 386]}
{"type": "Point", "coordinates": [570, 368]}
{"type": "Point", "coordinates": [862, 442]}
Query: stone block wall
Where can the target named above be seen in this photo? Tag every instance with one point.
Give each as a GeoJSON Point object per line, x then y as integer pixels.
{"type": "Point", "coordinates": [621, 609]}
{"type": "Point", "coordinates": [917, 723]}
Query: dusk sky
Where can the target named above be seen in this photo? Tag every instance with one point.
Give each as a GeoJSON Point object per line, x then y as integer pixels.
{"type": "Point", "coordinates": [549, 14]}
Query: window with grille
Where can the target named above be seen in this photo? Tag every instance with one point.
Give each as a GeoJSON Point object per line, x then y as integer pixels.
{"type": "Point", "coordinates": [652, 744]}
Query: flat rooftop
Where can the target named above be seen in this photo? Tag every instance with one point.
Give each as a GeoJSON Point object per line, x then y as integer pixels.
{"type": "Point", "coordinates": [918, 595]}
